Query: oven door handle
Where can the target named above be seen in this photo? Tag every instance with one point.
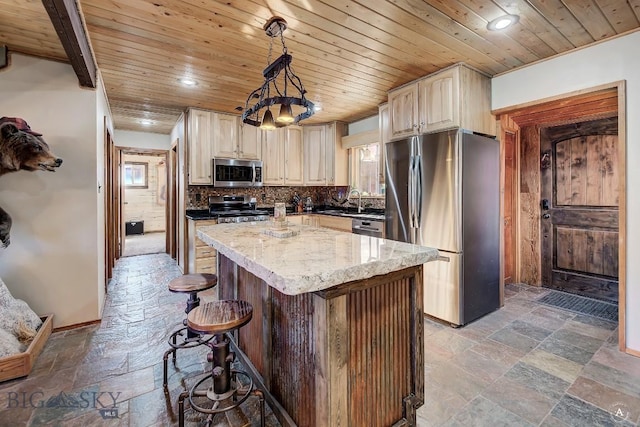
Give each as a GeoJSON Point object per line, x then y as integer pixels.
{"type": "Point", "coordinates": [253, 175]}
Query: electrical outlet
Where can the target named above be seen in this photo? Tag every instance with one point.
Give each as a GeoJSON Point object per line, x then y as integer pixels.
{"type": "Point", "coordinates": [198, 197]}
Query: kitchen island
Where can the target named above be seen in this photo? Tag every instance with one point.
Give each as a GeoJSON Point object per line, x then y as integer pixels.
{"type": "Point", "coordinates": [337, 331]}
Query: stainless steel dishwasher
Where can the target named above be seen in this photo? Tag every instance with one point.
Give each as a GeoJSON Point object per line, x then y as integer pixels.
{"type": "Point", "coordinates": [367, 227]}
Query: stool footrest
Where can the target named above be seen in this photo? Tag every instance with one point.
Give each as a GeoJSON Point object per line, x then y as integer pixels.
{"type": "Point", "coordinates": [186, 342]}
{"type": "Point", "coordinates": [209, 393]}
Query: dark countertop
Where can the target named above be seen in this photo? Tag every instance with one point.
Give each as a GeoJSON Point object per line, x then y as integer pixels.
{"type": "Point", "coordinates": [197, 214]}
{"type": "Point", "coordinates": [371, 214]}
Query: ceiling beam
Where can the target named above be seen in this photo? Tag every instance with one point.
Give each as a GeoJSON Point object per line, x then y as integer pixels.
{"type": "Point", "coordinates": [65, 17]}
{"type": "Point", "coordinates": [4, 58]}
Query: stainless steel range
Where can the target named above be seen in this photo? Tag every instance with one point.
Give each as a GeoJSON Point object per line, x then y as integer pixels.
{"type": "Point", "coordinates": [235, 209]}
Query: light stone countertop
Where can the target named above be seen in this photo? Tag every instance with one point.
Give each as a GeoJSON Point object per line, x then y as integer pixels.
{"type": "Point", "coordinates": [313, 260]}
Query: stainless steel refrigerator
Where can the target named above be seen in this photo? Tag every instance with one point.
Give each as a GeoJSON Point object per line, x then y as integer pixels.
{"type": "Point", "coordinates": [442, 191]}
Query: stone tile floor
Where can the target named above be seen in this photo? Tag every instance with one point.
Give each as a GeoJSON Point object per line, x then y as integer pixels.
{"type": "Point", "coordinates": [81, 372]}
{"type": "Point", "coordinates": [526, 364]}
{"type": "Point", "coordinates": [144, 244]}
{"type": "Point", "coordinates": [529, 364]}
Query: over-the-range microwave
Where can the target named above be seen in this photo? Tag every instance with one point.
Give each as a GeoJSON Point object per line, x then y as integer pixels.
{"type": "Point", "coordinates": [237, 173]}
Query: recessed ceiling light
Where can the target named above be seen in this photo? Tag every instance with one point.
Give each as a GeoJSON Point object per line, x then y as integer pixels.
{"type": "Point", "coordinates": [188, 82]}
{"type": "Point", "coordinates": [146, 122]}
{"type": "Point", "coordinates": [317, 107]}
{"type": "Point", "coordinates": [502, 22]}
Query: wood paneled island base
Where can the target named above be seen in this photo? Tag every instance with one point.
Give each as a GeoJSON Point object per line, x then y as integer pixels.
{"type": "Point", "coordinates": [348, 355]}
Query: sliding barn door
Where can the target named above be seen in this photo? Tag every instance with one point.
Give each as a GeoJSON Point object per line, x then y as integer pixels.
{"type": "Point", "coordinates": [579, 208]}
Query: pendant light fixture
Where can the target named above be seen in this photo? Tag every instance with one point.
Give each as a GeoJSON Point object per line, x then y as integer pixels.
{"type": "Point", "coordinates": [282, 89]}
{"type": "Point", "coordinates": [267, 121]}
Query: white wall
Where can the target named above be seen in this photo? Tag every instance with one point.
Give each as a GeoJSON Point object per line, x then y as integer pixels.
{"type": "Point", "coordinates": [156, 141]}
{"type": "Point", "coordinates": [364, 125]}
{"type": "Point", "coordinates": [53, 262]}
{"type": "Point", "coordinates": [148, 204]}
{"type": "Point", "coordinates": [614, 60]}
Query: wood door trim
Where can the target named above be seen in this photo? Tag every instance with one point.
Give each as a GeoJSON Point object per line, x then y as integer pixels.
{"type": "Point", "coordinates": [509, 126]}
{"type": "Point", "coordinates": [562, 99]}
{"type": "Point", "coordinates": [622, 215]}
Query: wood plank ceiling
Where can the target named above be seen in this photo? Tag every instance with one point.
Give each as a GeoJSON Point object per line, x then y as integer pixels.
{"type": "Point", "coordinates": [347, 53]}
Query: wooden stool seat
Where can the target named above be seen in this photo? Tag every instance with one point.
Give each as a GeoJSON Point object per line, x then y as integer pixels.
{"type": "Point", "coordinates": [193, 282]}
{"type": "Point", "coordinates": [218, 317]}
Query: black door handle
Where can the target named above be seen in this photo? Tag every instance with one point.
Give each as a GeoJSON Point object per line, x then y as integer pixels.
{"type": "Point", "coordinates": [545, 204]}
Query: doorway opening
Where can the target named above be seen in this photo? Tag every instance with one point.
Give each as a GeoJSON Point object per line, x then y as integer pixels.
{"type": "Point", "coordinates": [551, 196]}
{"type": "Point", "coordinates": [144, 178]}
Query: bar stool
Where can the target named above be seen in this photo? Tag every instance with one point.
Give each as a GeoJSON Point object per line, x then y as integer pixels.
{"type": "Point", "coordinates": [219, 318]}
{"type": "Point", "coordinates": [190, 284]}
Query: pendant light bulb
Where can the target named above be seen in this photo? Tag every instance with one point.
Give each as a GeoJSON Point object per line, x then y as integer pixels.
{"type": "Point", "coordinates": [286, 115]}
{"type": "Point", "coordinates": [267, 121]}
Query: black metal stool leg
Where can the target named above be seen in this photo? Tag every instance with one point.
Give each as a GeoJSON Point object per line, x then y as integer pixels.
{"type": "Point", "coordinates": [165, 360]}
{"type": "Point", "coordinates": [192, 302]}
{"type": "Point", "coordinates": [174, 351]}
{"type": "Point", "coordinates": [183, 396]}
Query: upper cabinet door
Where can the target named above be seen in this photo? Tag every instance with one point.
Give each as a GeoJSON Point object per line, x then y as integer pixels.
{"type": "Point", "coordinates": [273, 157]}
{"type": "Point", "coordinates": [403, 104]}
{"type": "Point", "coordinates": [250, 144]}
{"type": "Point", "coordinates": [337, 157]}
{"type": "Point", "coordinates": [385, 135]}
{"type": "Point", "coordinates": [225, 135]}
{"type": "Point", "coordinates": [294, 160]}
{"type": "Point", "coordinates": [315, 156]}
{"type": "Point", "coordinates": [200, 147]}
{"type": "Point", "coordinates": [440, 101]}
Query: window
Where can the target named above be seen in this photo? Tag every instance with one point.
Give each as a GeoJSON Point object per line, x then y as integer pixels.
{"type": "Point", "coordinates": [366, 172]}
{"type": "Point", "coordinates": [135, 175]}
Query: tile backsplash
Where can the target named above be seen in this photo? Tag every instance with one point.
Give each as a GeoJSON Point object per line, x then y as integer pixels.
{"type": "Point", "coordinates": [267, 196]}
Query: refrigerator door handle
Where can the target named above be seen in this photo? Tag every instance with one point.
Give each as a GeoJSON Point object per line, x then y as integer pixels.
{"type": "Point", "coordinates": [418, 190]}
{"type": "Point", "coordinates": [411, 196]}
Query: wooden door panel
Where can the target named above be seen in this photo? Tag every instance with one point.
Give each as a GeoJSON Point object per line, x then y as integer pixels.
{"type": "Point", "coordinates": [579, 180]}
{"type": "Point", "coordinates": [586, 251]}
{"type": "Point", "coordinates": [585, 172]}
{"type": "Point", "coordinates": [607, 218]}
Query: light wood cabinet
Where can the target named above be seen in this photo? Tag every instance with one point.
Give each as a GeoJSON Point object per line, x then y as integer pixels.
{"type": "Point", "coordinates": [282, 156]}
{"type": "Point", "coordinates": [333, 222]}
{"type": "Point", "coordinates": [273, 157]}
{"type": "Point", "coordinates": [438, 99]}
{"type": "Point", "coordinates": [325, 161]}
{"type": "Point", "coordinates": [454, 97]}
{"type": "Point", "coordinates": [337, 163]}
{"type": "Point", "coordinates": [199, 147]}
{"type": "Point", "coordinates": [233, 140]}
{"type": "Point", "coordinates": [293, 156]}
{"type": "Point", "coordinates": [385, 135]}
{"type": "Point", "coordinates": [404, 111]}
{"type": "Point", "coordinates": [315, 155]}
{"type": "Point", "coordinates": [225, 135]}
{"type": "Point", "coordinates": [212, 134]}
{"type": "Point", "coordinates": [202, 258]}
{"type": "Point", "coordinates": [250, 142]}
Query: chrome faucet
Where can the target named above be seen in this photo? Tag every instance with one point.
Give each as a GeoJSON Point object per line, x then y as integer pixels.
{"type": "Point", "coordinates": [359, 198]}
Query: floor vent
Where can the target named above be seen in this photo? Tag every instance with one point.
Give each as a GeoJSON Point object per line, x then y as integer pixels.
{"type": "Point", "coordinates": [579, 304]}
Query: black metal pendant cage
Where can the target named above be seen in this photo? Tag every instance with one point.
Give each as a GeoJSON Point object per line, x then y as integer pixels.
{"type": "Point", "coordinates": [281, 87]}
